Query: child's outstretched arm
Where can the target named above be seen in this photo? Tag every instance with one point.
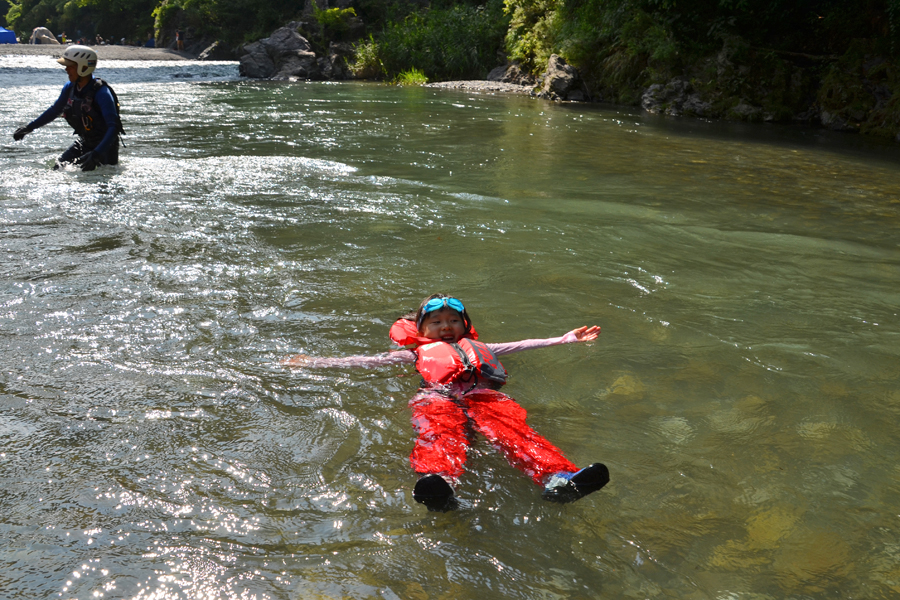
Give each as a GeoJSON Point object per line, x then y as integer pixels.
{"type": "Point", "coordinates": [582, 334]}
{"type": "Point", "coordinates": [585, 334]}
{"type": "Point", "coordinates": [398, 357]}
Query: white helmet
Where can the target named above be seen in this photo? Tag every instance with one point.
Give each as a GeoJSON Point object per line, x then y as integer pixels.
{"type": "Point", "coordinates": [85, 59]}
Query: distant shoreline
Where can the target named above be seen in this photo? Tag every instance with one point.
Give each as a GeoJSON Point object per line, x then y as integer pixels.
{"type": "Point", "coordinates": [162, 54]}
{"type": "Point", "coordinates": [103, 52]}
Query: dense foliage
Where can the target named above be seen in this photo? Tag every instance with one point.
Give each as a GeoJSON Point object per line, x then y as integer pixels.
{"type": "Point", "coordinates": [652, 39]}
{"type": "Point", "coordinates": [111, 19]}
{"type": "Point", "coordinates": [458, 41]}
{"type": "Point", "coordinates": [233, 21]}
{"type": "Point", "coordinates": [777, 55]}
{"type": "Point", "coordinates": [781, 57]}
{"type": "Point", "coordinates": [657, 31]}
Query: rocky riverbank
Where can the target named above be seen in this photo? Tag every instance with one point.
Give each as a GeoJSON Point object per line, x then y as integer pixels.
{"type": "Point", "coordinates": [872, 108]}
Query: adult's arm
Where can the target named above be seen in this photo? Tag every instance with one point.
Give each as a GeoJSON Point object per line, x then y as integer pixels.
{"type": "Point", "coordinates": [54, 111]}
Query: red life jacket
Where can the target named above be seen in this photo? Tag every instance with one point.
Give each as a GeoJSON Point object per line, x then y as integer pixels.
{"type": "Point", "coordinates": [404, 333]}
{"type": "Point", "coordinates": [440, 362]}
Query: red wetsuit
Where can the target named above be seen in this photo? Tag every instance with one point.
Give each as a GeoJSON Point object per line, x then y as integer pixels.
{"type": "Point", "coordinates": [442, 413]}
{"type": "Point", "coordinates": [442, 423]}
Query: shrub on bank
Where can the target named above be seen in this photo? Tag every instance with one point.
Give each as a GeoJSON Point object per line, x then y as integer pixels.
{"type": "Point", "coordinates": [367, 64]}
{"type": "Point", "coordinates": [411, 77]}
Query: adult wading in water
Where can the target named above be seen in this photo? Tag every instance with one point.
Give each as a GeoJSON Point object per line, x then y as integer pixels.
{"type": "Point", "coordinates": [89, 105]}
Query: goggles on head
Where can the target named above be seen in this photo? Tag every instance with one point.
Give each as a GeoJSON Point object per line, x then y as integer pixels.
{"type": "Point", "coordinates": [439, 303]}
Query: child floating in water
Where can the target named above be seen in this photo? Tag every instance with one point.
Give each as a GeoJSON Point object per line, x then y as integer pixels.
{"type": "Point", "coordinates": [461, 381]}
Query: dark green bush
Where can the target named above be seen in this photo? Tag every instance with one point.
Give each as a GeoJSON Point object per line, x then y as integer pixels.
{"type": "Point", "coordinates": [622, 46]}
{"type": "Point", "coordinates": [456, 42]}
{"type": "Point", "coordinates": [112, 19]}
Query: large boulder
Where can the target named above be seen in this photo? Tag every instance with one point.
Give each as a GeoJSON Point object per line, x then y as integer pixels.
{"type": "Point", "coordinates": [256, 62]}
{"type": "Point", "coordinates": [510, 73]}
{"type": "Point", "coordinates": [561, 81]}
{"type": "Point", "coordinates": [42, 35]}
{"type": "Point", "coordinates": [339, 56]}
{"type": "Point", "coordinates": [286, 40]}
{"type": "Point", "coordinates": [675, 98]}
{"type": "Point", "coordinates": [744, 111]}
{"type": "Point", "coordinates": [288, 56]}
{"type": "Point", "coordinates": [299, 64]}
{"type": "Point", "coordinates": [283, 55]}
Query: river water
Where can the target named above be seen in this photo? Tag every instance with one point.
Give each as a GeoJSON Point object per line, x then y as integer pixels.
{"type": "Point", "coordinates": [743, 392]}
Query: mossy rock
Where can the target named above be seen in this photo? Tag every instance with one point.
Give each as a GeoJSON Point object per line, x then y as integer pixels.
{"type": "Point", "coordinates": [861, 92]}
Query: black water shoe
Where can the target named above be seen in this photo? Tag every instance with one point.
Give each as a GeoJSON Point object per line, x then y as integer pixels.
{"type": "Point", "coordinates": [435, 493]}
{"type": "Point", "coordinates": [569, 487]}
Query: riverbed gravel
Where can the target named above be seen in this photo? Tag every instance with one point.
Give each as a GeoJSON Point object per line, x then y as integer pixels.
{"type": "Point", "coordinates": [478, 85]}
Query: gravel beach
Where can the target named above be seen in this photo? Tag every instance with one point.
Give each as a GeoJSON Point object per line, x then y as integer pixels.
{"type": "Point", "coordinates": [103, 52]}
{"type": "Point", "coordinates": [478, 85]}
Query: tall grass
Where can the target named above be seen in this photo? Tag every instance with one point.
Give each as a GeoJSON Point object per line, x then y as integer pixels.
{"type": "Point", "coordinates": [367, 64]}
{"type": "Point", "coordinates": [411, 77]}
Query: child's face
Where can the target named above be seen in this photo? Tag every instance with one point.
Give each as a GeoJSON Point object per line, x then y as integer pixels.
{"type": "Point", "coordinates": [444, 324]}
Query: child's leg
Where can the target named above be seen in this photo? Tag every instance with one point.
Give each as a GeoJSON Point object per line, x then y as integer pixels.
{"type": "Point", "coordinates": [500, 418]}
{"type": "Point", "coordinates": [442, 442]}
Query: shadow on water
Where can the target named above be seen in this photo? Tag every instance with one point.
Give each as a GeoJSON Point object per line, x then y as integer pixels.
{"type": "Point", "coordinates": [797, 135]}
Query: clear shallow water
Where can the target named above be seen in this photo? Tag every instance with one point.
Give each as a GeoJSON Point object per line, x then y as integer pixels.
{"type": "Point", "coordinates": [744, 392]}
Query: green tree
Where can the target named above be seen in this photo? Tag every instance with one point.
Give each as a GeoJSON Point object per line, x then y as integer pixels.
{"type": "Point", "coordinates": [112, 19]}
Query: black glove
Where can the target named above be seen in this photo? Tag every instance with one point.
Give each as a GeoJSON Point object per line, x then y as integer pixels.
{"type": "Point", "coordinates": [87, 161]}
{"type": "Point", "coordinates": [21, 132]}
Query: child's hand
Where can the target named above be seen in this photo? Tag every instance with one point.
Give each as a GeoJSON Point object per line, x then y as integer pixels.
{"type": "Point", "coordinates": [299, 360]}
{"type": "Point", "coordinates": [586, 334]}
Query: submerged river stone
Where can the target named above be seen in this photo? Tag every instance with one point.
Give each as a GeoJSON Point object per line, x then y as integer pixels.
{"type": "Point", "coordinates": [767, 527]}
{"type": "Point", "coordinates": [628, 386]}
{"type": "Point", "coordinates": [813, 561]}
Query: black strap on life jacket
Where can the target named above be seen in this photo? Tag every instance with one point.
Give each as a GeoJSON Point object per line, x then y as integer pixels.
{"type": "Point", "coordinates": [119, 128]}
{"type": "Point", "coordinates": [89, 99]}
{"type": "Point", "coordinates": [490, 370]}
